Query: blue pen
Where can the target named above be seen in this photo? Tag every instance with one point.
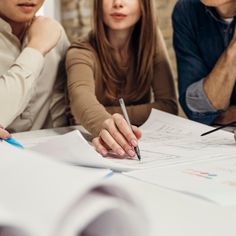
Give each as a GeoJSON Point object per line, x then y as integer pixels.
{"type": "Point", "coordinates": [110, 174]}
{"type": "Point", "coordinates": [13, 142]}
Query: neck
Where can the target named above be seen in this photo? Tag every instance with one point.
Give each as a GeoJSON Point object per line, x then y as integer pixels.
{"type": "Point", "coordinates": [227, 10]}
{"type": "Point", "coordinates": [18, 28]}
{"type": "Point", "coordinates": [120, 42]}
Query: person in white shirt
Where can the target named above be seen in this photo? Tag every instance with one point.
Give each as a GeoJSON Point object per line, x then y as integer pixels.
{"type": "Point", "coordinates": [32, 78]}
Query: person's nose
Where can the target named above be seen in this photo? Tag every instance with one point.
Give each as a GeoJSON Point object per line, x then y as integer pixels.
{"type": "Point", "coordinates": [118, 4]}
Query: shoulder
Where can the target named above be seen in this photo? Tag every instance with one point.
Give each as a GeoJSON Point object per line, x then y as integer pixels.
{"type": "Point", "coordinates": [187, 8]}
{"type": "Point", "coordinates": [63, 43]}
{"type": "Point", "coordinates": [189, 16]}
{"type": "Point", "coordinates": [81, 52]}
{"type": "Point", "coordinates": [187, 4]}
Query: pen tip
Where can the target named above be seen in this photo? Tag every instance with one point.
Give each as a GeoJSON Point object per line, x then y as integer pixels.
{"type": "Point", "coordinates": [139, 157]}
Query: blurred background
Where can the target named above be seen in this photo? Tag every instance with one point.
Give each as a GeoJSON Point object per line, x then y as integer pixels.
{"type": "Point", "coordinates": [75, 16]}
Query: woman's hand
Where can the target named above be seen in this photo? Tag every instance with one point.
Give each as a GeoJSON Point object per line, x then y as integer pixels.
{"type": "Point", "coordinates": [3, 133]}
{"type": "Point", "coordinates": [116, 135]}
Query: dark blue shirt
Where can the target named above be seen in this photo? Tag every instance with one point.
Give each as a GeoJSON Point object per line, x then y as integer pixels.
{"type": "Point", "coordinates": [200, 38]}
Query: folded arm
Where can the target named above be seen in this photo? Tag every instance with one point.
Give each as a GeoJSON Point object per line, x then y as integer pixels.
{"type": "Point", "coordinates": [203, 94]}
{"type": "Point", "coordinates": [16, 84]}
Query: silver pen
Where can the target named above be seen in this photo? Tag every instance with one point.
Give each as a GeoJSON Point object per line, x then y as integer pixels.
{"type": "Point", "coordinates": [123, 108]}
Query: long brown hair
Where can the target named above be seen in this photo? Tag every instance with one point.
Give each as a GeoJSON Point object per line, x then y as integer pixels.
{"type": "Point", "coordinates": [143, 47]}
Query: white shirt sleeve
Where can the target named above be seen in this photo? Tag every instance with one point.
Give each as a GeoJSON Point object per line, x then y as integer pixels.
{"type": "Point", "coordinates": [17, 84]}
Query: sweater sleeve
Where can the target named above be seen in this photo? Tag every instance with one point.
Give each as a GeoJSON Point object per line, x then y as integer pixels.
{"type": "Point", "coordinates": [85, 107]}
{"type": "Point", "coordinates": [16, 84]}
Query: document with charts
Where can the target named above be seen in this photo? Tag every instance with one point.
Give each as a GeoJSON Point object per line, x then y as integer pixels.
{"type": "Point", "coordinates": [41, 197]}
{"type": "Point", "coordinates": [166, 140]}
{"type": "Point", "coordinates": [213, 181]}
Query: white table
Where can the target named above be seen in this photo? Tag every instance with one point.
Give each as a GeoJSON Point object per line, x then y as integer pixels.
{"type": "Point", "coordinates": [169, 213]}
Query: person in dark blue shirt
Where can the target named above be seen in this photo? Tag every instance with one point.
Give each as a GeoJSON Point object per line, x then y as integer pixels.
{"type": "Point", "coordinates": [205, 46]}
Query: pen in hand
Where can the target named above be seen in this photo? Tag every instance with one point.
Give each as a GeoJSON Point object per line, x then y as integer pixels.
{"type": "Point", "coordinates": [123, 108]}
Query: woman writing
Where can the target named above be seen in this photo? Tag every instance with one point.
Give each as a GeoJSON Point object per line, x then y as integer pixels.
{"type": "Point", "coordinates": [123, 56]}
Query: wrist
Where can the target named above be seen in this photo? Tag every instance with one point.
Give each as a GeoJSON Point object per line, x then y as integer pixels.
{"type": "Point", "coordinates": [37, 47]}
{"type": "Point", "coordinates": [230, 56]}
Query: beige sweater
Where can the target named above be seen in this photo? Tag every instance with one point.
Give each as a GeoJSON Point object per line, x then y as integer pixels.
{"type": "Point", "coordinates": [31, 86]}
{"type": "Point", "coordinates": [86, 93]}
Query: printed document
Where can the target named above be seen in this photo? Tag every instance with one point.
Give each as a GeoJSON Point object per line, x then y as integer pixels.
{"type": "Point", "coordinates": [214, 181]}
{"type": "Point", "coordinates": [166, 140]}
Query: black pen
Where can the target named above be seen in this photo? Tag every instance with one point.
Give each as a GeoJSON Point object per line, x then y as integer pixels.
{"type": "Point", "coordinates": [218, 128]}
{"type": "Point", "coordinates": [123, 108]}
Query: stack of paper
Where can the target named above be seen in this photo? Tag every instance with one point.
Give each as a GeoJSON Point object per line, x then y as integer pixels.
{"type": "Point", "coordinates": [167, 141]}
{"type": "Point", "coordinates": [41, 197]}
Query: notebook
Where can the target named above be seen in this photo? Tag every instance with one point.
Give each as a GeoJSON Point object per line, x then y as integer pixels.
{"type": "Point", "coordinates": [41, 197]}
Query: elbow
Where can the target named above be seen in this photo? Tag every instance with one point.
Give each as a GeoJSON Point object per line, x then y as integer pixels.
{"type": "Point", "coordinates": [207, 117]}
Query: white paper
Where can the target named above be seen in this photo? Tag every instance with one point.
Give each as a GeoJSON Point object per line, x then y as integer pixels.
{"type": "Point", "coordinates": [171, 140]}
{"type": "Point", "coordinates": [41, 197]}
{"type": "Point", "coordinates": [213, 181]}
{"type": "Point", "coordinates": [166, 140]}
{"type": "Point", "coordinates": [74, 149]}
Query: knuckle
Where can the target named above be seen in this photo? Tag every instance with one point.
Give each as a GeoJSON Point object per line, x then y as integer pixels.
{"type": "Point", "coordinates": [114, 134]}
{"type": "Point", "coordinates": [117, 116]}
{"type": "Point", "coordinates": [95, 141]}
{"type": "Point", "coordinates": [127, 147]}
{"type": "Point", "coordinates": [119, 122]}
{"type": "Point", "coordinates": [102, 133]}
{"type": "Point", "coordinates": [130, 136]}
{"type": "Point", "coordinates": [107, 123]}
{"type": "Point", "coordinates": [114, 146]}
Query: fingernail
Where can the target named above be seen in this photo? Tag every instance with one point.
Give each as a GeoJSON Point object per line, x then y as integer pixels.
{"type": "Point", "coordinates": [134, 143]}
{"type": "Point", "coordinates": [131, 153]}
{"type": "Point", "coordinates": [120, 152]}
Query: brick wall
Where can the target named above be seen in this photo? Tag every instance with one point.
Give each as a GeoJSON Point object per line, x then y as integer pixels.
{"type": "Point", "coordinates": [164, 10]}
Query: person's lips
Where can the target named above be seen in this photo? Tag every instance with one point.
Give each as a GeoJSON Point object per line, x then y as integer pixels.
{"type": "Point", "coordinates": [26, 7]}
{"type": "Point", "coordinates": [118, 16]}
